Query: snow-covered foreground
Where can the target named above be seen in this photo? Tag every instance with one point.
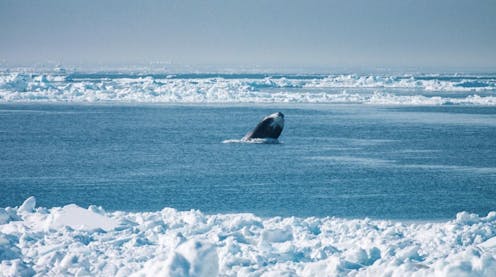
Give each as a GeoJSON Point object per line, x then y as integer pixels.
{"type": "Point", "coordinates": [72, 240]}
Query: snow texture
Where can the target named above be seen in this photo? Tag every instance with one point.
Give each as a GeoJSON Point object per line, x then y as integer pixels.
{"type": "Point", "coordinates": [71, 240]}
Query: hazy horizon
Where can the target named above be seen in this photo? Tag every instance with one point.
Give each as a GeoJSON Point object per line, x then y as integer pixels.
{"type": "Point", "coordinates": [311, 35]}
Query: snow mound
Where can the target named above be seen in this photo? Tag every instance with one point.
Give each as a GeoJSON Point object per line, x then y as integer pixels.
{"type": "Point", "coordinates": [79, 219]}
{"type": "Point", "coordinates": [72, 240]}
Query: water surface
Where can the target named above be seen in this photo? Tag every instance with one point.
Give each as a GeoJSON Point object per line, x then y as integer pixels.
{"type": "Point", "coordinates": [333, 160]}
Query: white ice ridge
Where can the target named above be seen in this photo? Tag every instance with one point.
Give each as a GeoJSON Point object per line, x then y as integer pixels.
{"type": "Point", "coordinates": [75, 241]}
{"type": "Point", "coordinates": [51, 87]}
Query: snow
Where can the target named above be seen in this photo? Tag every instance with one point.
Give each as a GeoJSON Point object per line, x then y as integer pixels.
{"type": "Point", "coordinates": [348, 88]}
{"type": "Point", "coordinates": [79, 218]}
{"type": "Point", "coordinates": [72, 240]}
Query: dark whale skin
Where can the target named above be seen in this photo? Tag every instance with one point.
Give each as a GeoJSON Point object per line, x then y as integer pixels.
{"type": "Point", "coordinates": [270, 127]}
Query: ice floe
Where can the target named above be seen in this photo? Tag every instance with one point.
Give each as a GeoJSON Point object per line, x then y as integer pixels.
{"type": "Point", "coordinates": [72, 240]}
{"type": "Point", "coordinates": [191, 88]}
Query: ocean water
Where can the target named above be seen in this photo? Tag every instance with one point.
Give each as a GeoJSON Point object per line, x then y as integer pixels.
{"type": "Point", "coordinates": [344, 160]}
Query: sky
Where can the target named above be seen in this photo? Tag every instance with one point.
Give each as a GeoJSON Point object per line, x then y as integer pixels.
{"type": "Point", "coordinates": [281, 33]}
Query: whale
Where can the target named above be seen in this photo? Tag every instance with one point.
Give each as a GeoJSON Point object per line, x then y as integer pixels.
{"type": "Point", "coordinates": [270, 127]}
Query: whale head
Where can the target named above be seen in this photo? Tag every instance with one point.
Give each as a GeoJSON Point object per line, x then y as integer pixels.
{"type": "Point", "coordinates": [277, 119]}
{"type": "Point", "coordinates": [270, 127]}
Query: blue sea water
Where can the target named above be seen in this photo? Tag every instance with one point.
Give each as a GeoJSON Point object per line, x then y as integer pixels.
{"type": "Point", "coordinates": [347, 160]}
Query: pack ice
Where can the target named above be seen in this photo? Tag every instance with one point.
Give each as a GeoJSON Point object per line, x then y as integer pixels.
{"type": "Point", "coordinates": [71, 240]}
{"type": "Point", "coordinates": [38, 86]}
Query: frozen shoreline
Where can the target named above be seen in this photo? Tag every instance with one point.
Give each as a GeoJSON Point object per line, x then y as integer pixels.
{"type": "Point", "coordinates": [73, 240]}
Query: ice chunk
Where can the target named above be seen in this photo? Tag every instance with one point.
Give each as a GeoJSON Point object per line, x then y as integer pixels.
{"type": "Point", "coordinates": [28, 205]}
{"type": "Point", "coordinates": [79, 218]}
{"type": "Point", "coordinates": [4, 216]}
{"type": "Point", "coordinates": [490, 243]}
{"type": "Point", "coordinates": [192, 258]}
{"type": "Point", "coordinates": [466, 218]}
{"type": "Point", "coordinates": [8, 248]}
{"type": "Point", "coordinates": [15, 268]}
{"type": "Point", "coordinates": [201, 256]}
{"type": "Point", "coordinates": [278, 235]}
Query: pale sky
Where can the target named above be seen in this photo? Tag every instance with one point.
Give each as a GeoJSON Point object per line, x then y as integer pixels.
{"type": "Point", "coordinates": [320, 33]}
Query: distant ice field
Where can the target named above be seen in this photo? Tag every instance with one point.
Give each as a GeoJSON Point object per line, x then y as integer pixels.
{"type": "Point", "coordinates": [384, 89]}
{"type": "Point", "coordinates": [344, 160]}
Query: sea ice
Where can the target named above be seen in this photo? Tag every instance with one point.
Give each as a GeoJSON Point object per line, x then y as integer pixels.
{"type": "Point", "coordinates": [373, 89]}
{"type": "Point", "coordinates": [72, 240]}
